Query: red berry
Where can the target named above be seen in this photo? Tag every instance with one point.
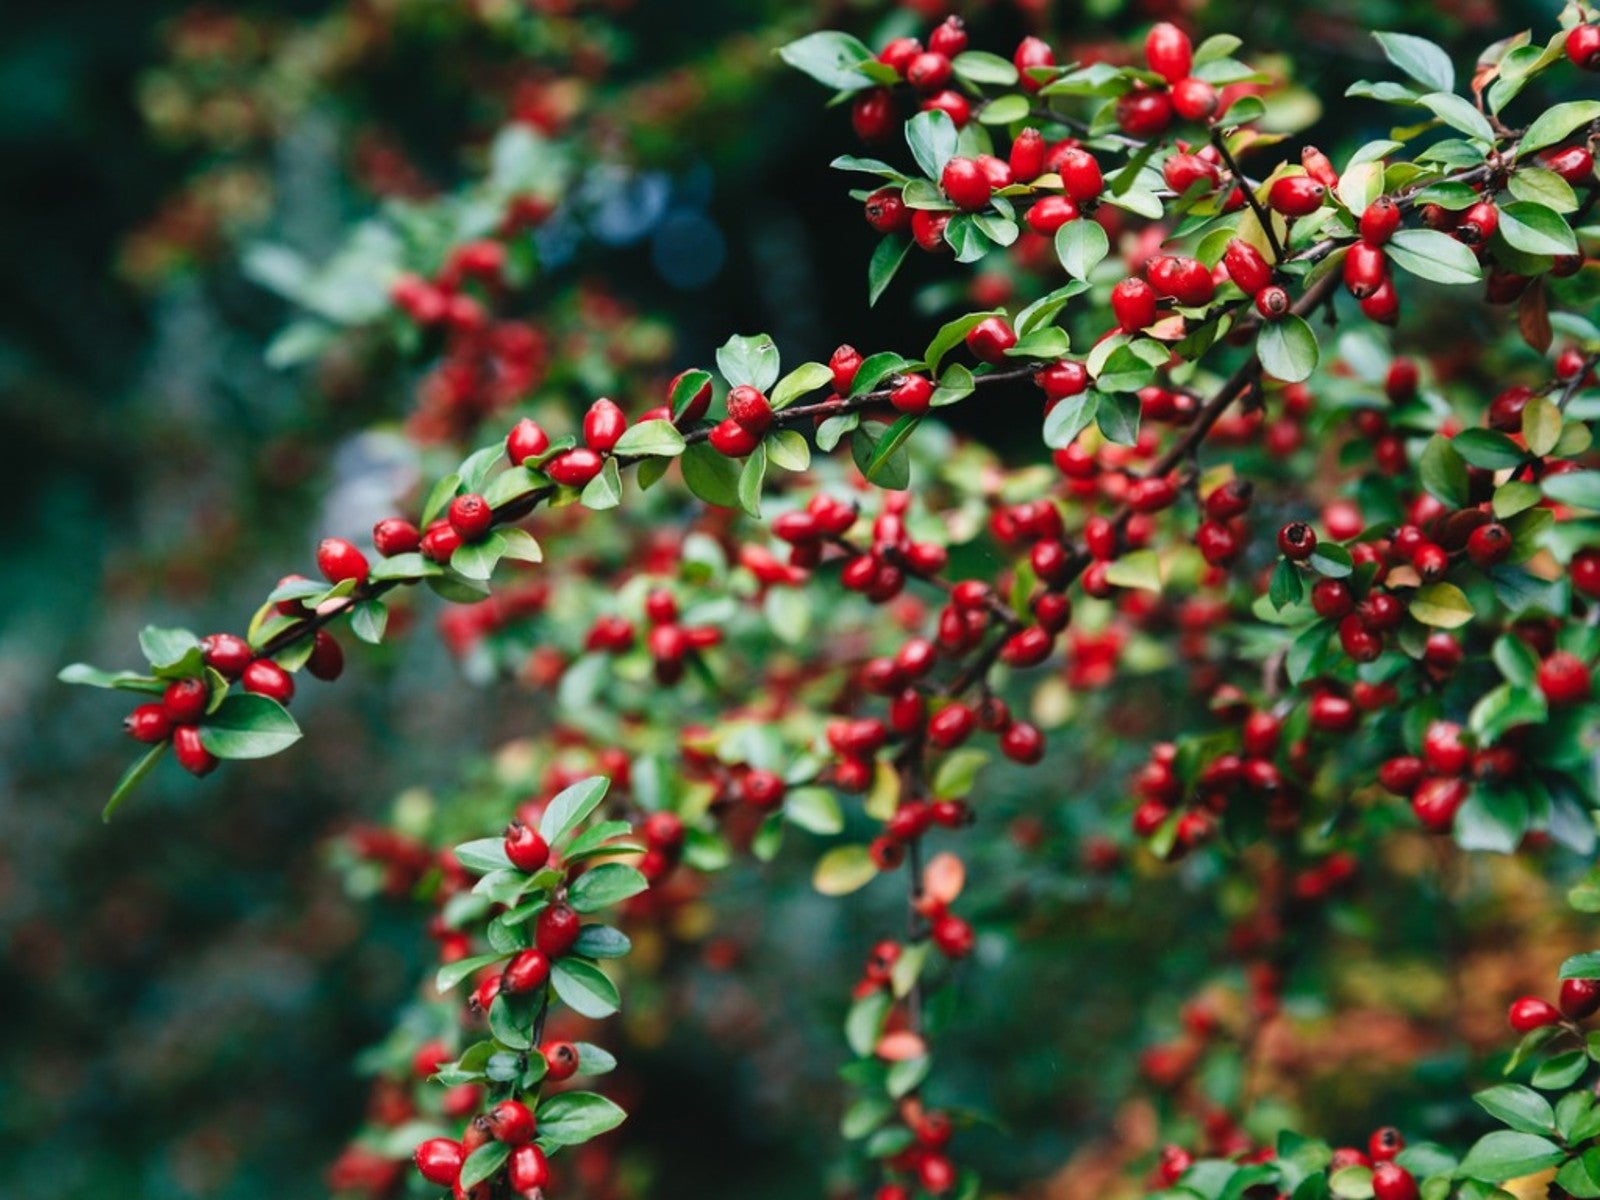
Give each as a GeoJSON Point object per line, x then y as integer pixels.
{"type": "Point", "coordinates": [395, 535]}
{"type": "Point", "coordinates": [1564, 678]}
{"type": "Point", "coordinates": [440, 542]}
{"type": "Point", "coordinates": [1295, 195]}
{"type": "Point", "coordinates": [990, 338]}
{"type": "Point", "coordinates": [1384, 1144]}
{"type": "Point", "coordinates": [951, 726]}
{"type": "Point", "coordinates": [1133, 303]}
{"type": "Point", "coordinates": [266, 678]}
{"type": "Point", "coordinates": [1489, 544]}
{"type": "Point", "coordinates": [965, 183]}
{"type": "Point", "coordinates": [928, 71]}
{"type": "Point", "coordinates": [439, 1160]}
{"type": "Point", "coordinates": [1365, 269]}
{"type": "Point", "coordinates": [1144, 112]}
{"type": "Point", "coordinates": [338, 560]}
{"type": "Point", "coordinates": [1580, 998]}
{"type": "Point", "coordinates": [1168, 51]}
{"type": "Point", "coordinates": [872, 115]}
{"type": "Point", "coordinates": [1297, 541]}
{"type": "Point", "coordinates": [749, 409]}
{"type": "Point", "coordinates": [1080, 174]}
{"type": "Point", "coordinates": [1583, 47]}
{"type": "Point", "coordinates": [1444, 749]}
{"type": "Point", "coordinates": [226, 654]}
{"type": "Point", "coordinates": [952, 935]}
{"type": "Point", "coordinates": [1246, 267]}
{"type": "Point", "coordinates": [1478, 223]}
{"type": "Point", "coordinates": [912, 394]}
{"type": "Point", "coordinates": [949, 38]}
{"type": "Point", "coordinates": [527, 1170]}
{"type": "Point", "coordinates": [527, 440]}
{"type": "Point", "coordinates": [1391, 1181]}
{"type": "Point", "coordinates": [762, 789]}
{"type": "Point", "coordinates": [192, 755]}
{"type": "Point", "coordinates": [844, 364]}
{"type": "Point", "coordinates": [470, 516]}
{"type": "Point", "coordinates": [1182, 171]}
{"type": "Point", "coordinates": [556, 930]}
{"type": "Point", "coordinates": [185, 700]}
{"type": "Point", "coordinates": [734, 440]}
{"type": "Point", "coordinates": [560, 1060]}
{"type": "Point", "coordinates": [511, 1122]}
{"type": "Point", "coordinates": [1529, 1013]}
{"type": "Point", "coordinates": [927, 228]}
{"type": "Point", "coordinates": [694, 407]}
{"type": "Point", "coordinates": [1050, 213]}
{"type": "Point", "coordinates": [1585, 571]}
{"type": "Point", "coordinates": [1194, 99]}
{"type": "Point", "coordinates": [1022, 742]}
{"type": "Point", "coordinates": [1332, 598]}
{"type": "Point", "coordinates": [573, 468]}
{"type": "Point", "coordinates": [525, 848]}
{"type": "Point", "coordinates": [1273, 303]}
{"type": "Point", "coordinates": [1379, 221]}
{"type": "Point", "coordinates": [527, 971]}
{"type": "Point", "coordinates": [1027, 155]}
{"type": "Point", "coordinates": [1033, 53]}
{"type": "Point", "coordinates": [1573, 163]}
{"type": "Point", "coordinates": [149, 723]}
{"type": "Point", "coordinates": [1436, 801]}
{"type": "Point", "coordinates": [326, 661]}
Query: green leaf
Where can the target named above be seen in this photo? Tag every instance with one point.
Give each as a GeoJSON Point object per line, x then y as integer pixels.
{"type": "Point", "coordinates": [788, 448]}
{"type": "Point", "coordinates": [1580, 489]}
{"type": "Point", "coordinates": [482, 1164]}
{"type": "Point", "coordinates": [1332, 560]}
{"type": "Point", "coordinates": [955, 385]}
{"type": "Point", "coordinates": [1287, 349]}
{"type": "Point", "coordinates": [1520, 1107]}
{"type": "Point", "coordinates": [950, 335]}
{"type": "Point", "coordinates": [933, 138]}
{"type": "Point", "coordinates": [572, 1118]}
{"type": "Point", "coordinates": [128, 681]}
{"type": "Point", "coordinates": [1488, 449]}
{"type": "Point", "coordinates": [451, 974]}
{"type": "Point", "coordinates": [814, 809]}
{"type": "Point", "coordinates": [601, 941]}
{"type": "Point", "coordinates": [843, 870]}
{"type": "Point", "coordinates": [1081, 245]}
{"type": "Point", "coordinates": [685, 389]}
{"type": "Point", "coordinates": [1117, 416]}
{"type": "Point", "coordinates": [584, 988]}
{"type": "Point", "coordinates": [1555, 123]}
{"type": "Point", "coordinates": [594, 1060]}
{"type": "Point", "coordinates": [483, 855]}
{"type": "Point", "coordinates": [1505, 1155]}
{"type": "Point", "coordinates": [1459, 114]}
{"type": "Point", "coordinates": [807, 377]}
{"type": "Point", "coordinates": [571, 806]}
{"type": "Point", "coordinates": [404, 566]}
{"type": "Point", "coordinates": [1286, 587]}
{"type": "Point", "coordinates": [1419, 58]}
{"type": "Point", "coordinates": [1430, 254]}
{"type": "Point", "coordinates": [170, 648]}
{"type": "Point", "coordinates": [132, 778]}
{"type": "Point", "coordinates": [833, 59]}
{"type": "Point", "coordinates": [863, 1025]}
{"type": "Point", "coordinates": [443, 492]}
{"type": "Point", "coordinates": [980, 66]}
{"type": "Point", "coordinates": [1582, 966]}
{"type": "Point", "coordinates": [751, 476]}
{"type": "Point", "coordinates": [882, 468]}
{"type": "Point", "coordinates": [1003, 110]}
{"type": "Point", "coordinates": [477, 560]}
{"type": "Point", "coordinates": [1442, 605]}
{"type": "Point", "coordinates": [605, 885]}
{"type": "Point", "coordinates": [1535, 229]}
{"type": "Point", "coordinates": [520, 545]}
{"type": "Point", "coordinates": [1141, 569]}
{"type": "Point", "coordinates": [249, 726]}
{"type": "Point", "coordinates": [711, 475]}
{"type": "Point", "coordinates": [659, 439]}
{"type": "Point", "coordinates": [886, 259]}
{"type": "Point", "coordinates": [1443, 472]}
{"type": "Point", "coordinates": [1069, 418]}
{"type": "Point", "coordinates": [602, 492]}
{"type": "Point", "coordinates": [751, 361]}
{"type": "Point", "coordinates": [368, 620]}
{"type": "Point", "coordinates": [1562, 1070]}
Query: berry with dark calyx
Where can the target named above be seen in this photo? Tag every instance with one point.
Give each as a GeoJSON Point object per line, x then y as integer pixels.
{"type": "Point", "coordinates": [439, 1160]}
{"type": "Point", "coordinates": [1478, 224]}
{"type": "Point", "coordinates": [912, 394]}
{"type": "Point", "coordinates": [1297, 541]}
{"type": "Point", "coordinates": [1488, 545]}
{"type": "Point", "coordinates": [470, 516]}
{"type": "Point", "coordinates": [527, 1170]}
{"type": "Point", "coordinates": [927, 228]}
{"type": "Point", "coordinates": [185, 700]}
{"type": "Point", "coordinates": [527, 971]}
{"type": "Point", "coordinates": [965, 183]}
{"type": "Point", "coordinates": [990, 338]}
{"type": "Point", "coordinates": [1564, 678]}
{"type": "Point", "coordinates": [1033, 53]}
{"type": "Point", "coordinates": [191, 753]}
{"type": "Point", "coordinates": [556, 929]}
{"type": "Point", "coordinates": [1168, 51]}
{"type": "Point", "coordinates": [338, 561]}
{"type": "Point", "coordinates": [1195, 99]}
{"type": "Point", "coordinates": [526, 440]}
{"type": "Point", "coordinates": [1365, 269]}
{"type": "Point", "coordinates": [1579, 998]}
{"type": "Point", "coordinates": [1246, 267]}
{"type": "Point", "coordinates": [1528, 1013]}
{"type": "Point", "coordinates": [326, 661]}
{"type": "Point", "coordinates": [1229, 499]}
{"type": "Point", "coordinates": [560, 1060]}
{"type": "Point", "coordinates": [526, 849]}
{"type": "Point", "coordinates": [1273, 303]}
{"type": "Point", "coordinates": [573, 468]}
{"type": "Point", "coordinates": [266, 678]}
{"type": "Point", "coordinates": [1379, 221]}
{"type": "Point", "coordinates": [1384, 1144]}
{"type": "Point", "coordinates": [886, 212]}
{"type": "Point", "coordinates": [1391, 1181]}
{"type": "Point", "coordinates": [1583, 47]}
{"type": "Point", "coordinates": [1133, 303]}
{"type": "Point", "coordinates": [395, 535]}
{"type": "Point", "coordinates": [511, 1122]}
{"type": "Point", "coordinates": [149, 723]}
{"type": "Point", "coordinates": [1295, 195]}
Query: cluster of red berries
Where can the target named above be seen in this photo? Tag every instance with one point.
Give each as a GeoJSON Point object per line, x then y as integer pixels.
{"type": "Point", "coordinates": [926, 72]}
{"type": "Point", "coordinates": [669, 642]}
{"type": "Point", "coordinates": [511, 1122]}
{"type": "Point", "coordinates": [926, 1159]}
{"type": "Point", "coordinates": [1578, 1000]}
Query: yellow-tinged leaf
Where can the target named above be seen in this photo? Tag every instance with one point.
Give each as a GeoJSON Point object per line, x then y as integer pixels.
{"type": "Point", "coordinates": [843, 870]}
{"type": "Point", "coordinates": [1541, 425]}
{"type": "Point", "coordinates": [1442, 605]}
{"type": "Point", "coordinates": [1141, 569]}
{"type": "Point", "coordinates": [884, 797]}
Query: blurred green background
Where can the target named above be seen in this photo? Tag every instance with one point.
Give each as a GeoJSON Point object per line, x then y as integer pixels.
{"type": "Point", "coordinates": [185, 989]}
